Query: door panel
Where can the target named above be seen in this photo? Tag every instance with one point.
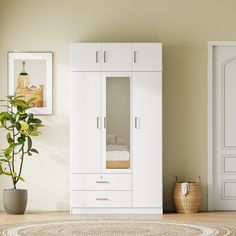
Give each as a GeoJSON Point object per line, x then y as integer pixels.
{"type": "Point", "coordinates": [85, 121]}
{"type": "Point", "coordinates": [147, 57]}
{"type": "Point", "coordinates": [147, 139]}
{"type": "Point", "coordinates": [85, 57]}
{"type": "Point", "coordinates": [224, 127]}
{"type": "Point", "coordinates": [116, 57]}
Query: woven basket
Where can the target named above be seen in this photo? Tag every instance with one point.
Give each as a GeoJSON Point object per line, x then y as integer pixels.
{"type": "Point", "coordinates": [190, 200]}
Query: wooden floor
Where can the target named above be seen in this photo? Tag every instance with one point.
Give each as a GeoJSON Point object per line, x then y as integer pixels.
{"type": "Point", "coordinates": [223, 218]}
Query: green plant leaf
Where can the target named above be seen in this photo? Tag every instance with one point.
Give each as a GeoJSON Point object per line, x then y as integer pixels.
{"type": "Point", "coordinates": [35, 133]}
{"type": "Point", "coordinates": [21, 139]}
{"type": "Point", "coordinates": [7, 151]}
{"type": "Point", "coordinates": [31, 100]}
{"type": "Point", "coordinates": [29, 154]}
{"type": "Point", "coordinates": [1, 170]}
{"type": "Point", "coordinates": [20, 109]}
{"type": "Point", "coordinates": [9, 138]}
{"type": "Point", "coordinates": [17, 97]}
{"type": "Point", "coordinates": [29, 143]}
{"type": "Point", "coordinates": [18, 125]}
{"type": "Point", "coordinates": [34, 150]}
{"type": "Point", "coordinates": [19, 102]}
{"type": "Point", "coordinates": [31, 117]}
{"type": "Point", "coordinates": [36, 120]}
{"type": "Point", "coordinates": [39, 125]}
{"type": "Point", "coordinates": [23, 116]}
{"type": "Point", "coordinates": [20, 178]}
{"type": "Point", "coordinates": [6, 173]}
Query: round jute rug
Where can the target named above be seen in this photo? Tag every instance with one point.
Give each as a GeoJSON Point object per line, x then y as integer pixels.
{"type": "Point", "coordinates": [114, 228]}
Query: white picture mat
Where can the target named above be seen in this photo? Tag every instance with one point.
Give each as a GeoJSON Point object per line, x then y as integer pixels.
{"type": "Point", "coordinates": [13, 57]}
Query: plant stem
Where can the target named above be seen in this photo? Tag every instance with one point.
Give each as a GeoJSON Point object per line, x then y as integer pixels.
{"type": "Point", "coordinates": [13, 179]}
{"type": "Point", "coordinates": [21, 164]}
{"type": "Point", "coordinates": [13, 153]}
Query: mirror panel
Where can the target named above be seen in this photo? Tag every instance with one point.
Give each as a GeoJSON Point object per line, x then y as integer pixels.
{"type": "Point", "coordinates": [117, 122]}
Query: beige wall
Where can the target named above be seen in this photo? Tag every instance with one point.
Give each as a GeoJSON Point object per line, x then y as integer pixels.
{"type": "Point", "coordinates": [184, 27]}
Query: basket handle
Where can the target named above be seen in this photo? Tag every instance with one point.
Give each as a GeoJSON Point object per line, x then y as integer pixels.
{"type": "Point", "coordinates": [176, 179]}
{"type": "Point", "coordinates": [199, 179]}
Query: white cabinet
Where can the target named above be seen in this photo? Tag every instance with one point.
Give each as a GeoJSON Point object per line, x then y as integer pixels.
{"type": "Point", "coordinates": [147, 57]}
{"type": "Point", "coordinates": [116, 57]}
{"type": "Point", "coordinates": [85, 56]}
{"type": "Point", "coordinates": [85, 122]}
{"type": "Point", "coordinates": [116, 128]}
{"type": "Point", "coordinates": [147, 139]}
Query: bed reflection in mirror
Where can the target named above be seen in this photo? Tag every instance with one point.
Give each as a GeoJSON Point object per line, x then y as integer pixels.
{"type": "Point", "coordinates": [118, 123]}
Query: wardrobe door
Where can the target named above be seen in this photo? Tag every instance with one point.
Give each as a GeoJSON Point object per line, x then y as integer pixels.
{"type": "Point", "coordinates": [116, 57]}
{"type": "Point", "coordinates": [116, 132]}
{"type": "Point", "coordinates": [85, 56]}
{"type": "Point", "coordinates": [85, 122]}
{"type": "Point", "coordinates": [147, 139]}
{"type": "Point", "coordinates": [147, 57]}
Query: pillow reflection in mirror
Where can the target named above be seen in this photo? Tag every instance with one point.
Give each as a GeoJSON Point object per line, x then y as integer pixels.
{"type": "Point", "coordinates": [111, 139]}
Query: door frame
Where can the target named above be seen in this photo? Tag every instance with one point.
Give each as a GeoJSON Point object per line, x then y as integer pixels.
{"type": "Point", "coordinates": [211, 45]}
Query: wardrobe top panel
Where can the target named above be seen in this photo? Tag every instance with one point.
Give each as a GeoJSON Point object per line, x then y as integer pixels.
{"type": "Point", "coordinates": [116, 56]}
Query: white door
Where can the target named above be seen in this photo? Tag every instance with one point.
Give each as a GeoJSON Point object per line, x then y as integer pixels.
{"type": "Point", "coordinates": [147, 139]}
{"type": "Point", "coordinates": [85, 122]}
{"type": "Point", "coordinates": [224, 127]}
{"type": "Point", "coordinates": [85, 56]}
{"type": "Point", "coordinates": [116, 57]}
{"type": "Point", "coordinates": [147, 57]}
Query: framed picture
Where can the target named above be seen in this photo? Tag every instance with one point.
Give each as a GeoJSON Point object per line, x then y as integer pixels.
{"type": "Point", "coordinates": [30, 75]}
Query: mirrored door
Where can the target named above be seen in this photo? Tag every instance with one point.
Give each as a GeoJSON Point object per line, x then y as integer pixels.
{"type": "Point", "coordinates": [117, 111]}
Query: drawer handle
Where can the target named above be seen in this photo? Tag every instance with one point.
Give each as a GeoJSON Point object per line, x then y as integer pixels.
{"type": "Point", "coordinates": [102, 199]}
{"type": "Point", "coordinates": [102, 182]}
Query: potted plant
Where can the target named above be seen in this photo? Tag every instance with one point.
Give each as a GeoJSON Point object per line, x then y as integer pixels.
{"type": "Point", "coordinates": [20, 126]}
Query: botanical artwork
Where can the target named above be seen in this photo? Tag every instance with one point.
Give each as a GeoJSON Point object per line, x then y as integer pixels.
{"type": "Point", "coordinates": [30, 75]}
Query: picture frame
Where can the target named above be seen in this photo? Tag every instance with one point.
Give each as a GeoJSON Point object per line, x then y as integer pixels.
{"type": "Point", "coordinates": [30, 75]}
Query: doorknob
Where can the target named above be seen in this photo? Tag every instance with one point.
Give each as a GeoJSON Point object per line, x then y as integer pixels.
{"type": "Point", "coordinates": [104, 57]}
{"type": "Point", "coordinates": [137, 123]}
{"type": "Point", "coordinates": [135, 57]}
{"type": "Point", "coordinates": [96, 56]}
{"type": "Point", "coordinates": [98, 123]}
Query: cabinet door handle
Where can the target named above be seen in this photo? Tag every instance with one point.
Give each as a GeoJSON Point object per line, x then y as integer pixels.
{"type": "Point", "coordinates": [102, 182]}
{"type": "Point", "coordinates": [137, 123]}
{"type": "Point", "coordinates": [96, 56]}
{"type": "Point", "coordinates": [135, 54]}
{"type": "Point", "coordinates": [105, 122]}
{"type": "Point", "coordinates": [105, 57]}
{"type": "Point", "coordinates": [98, 123]}
{"type": "Point", "coordinates": [102, 199]}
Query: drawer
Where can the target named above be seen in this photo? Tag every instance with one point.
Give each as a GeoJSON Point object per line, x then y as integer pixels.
{"type": "Point", "coordinates": [101, 182]}
{"type": "Point", "coordinates": [101, 199]}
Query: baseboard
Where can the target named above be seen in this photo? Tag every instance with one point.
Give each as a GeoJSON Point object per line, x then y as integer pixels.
{"type": "Point", "coordinates": [117, 211]}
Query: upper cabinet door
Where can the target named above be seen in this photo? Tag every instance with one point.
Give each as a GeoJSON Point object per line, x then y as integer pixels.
{"type": "Point", "coordinates": [147, 57]}
{"type": "Point", "coordinates": [85, 56]}
{"type": "Point", "coordinates": [116, 57]}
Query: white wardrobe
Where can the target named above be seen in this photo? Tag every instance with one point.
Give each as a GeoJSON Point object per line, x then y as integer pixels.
{"type": "Point", "coordinates": [116, 128]}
